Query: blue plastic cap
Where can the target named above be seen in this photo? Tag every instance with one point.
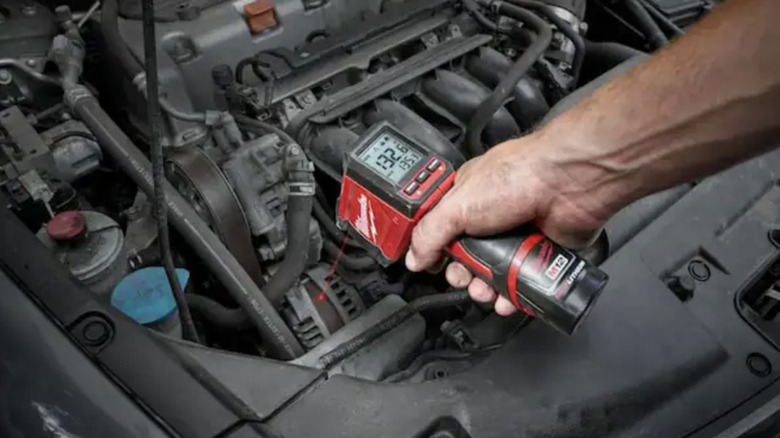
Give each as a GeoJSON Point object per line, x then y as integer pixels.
{"type": "Point", "coordinates": [146, 296]}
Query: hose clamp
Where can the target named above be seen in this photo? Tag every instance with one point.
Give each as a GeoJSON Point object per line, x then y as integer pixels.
{"type": "Point", "coordinates": [75, 94]}
{"type": "Point", "coordinates": [301, 188]}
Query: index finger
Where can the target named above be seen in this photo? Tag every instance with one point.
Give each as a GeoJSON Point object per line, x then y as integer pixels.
{"type": "Point", "coordinates": [436, 229]}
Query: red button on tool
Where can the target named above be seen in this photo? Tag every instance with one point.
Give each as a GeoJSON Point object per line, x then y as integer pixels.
{"type": "Point", "coordinates": [67, 225]}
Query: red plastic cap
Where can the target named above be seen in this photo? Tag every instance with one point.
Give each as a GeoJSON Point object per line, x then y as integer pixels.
{"type": "Point", "coordinates": [67, 225]}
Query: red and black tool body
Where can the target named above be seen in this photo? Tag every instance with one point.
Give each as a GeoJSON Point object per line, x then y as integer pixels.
{"type": "Point", "coordinates": [390, 182]}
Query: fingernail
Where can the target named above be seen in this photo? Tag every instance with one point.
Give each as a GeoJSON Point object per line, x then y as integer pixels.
{"type": "Point", "coordinates": [411, 262]}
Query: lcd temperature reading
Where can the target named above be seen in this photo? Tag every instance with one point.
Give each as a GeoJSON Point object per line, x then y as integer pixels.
{"type": "Point", "coordinates": [390, 157]}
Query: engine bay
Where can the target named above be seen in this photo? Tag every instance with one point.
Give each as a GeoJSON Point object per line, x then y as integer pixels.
{"type": "Point", "coordinates": [236, 95]}
{"type": "Point", "coordinates": [261, 101]}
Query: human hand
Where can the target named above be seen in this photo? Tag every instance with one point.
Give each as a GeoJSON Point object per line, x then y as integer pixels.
{"type": "Point", "coordinates": [528, 180]}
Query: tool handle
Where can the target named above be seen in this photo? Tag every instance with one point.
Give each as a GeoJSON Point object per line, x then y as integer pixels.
{"type": "Point", "coordinates": [536, 274]}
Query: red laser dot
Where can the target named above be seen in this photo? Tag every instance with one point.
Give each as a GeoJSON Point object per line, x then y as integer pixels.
{"type": "Point", "coordinates": [322, 295]}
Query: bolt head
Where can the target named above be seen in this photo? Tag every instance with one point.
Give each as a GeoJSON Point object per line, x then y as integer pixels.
{"type": "Point", "coordinates": [699, 270]}
{"type": "Point", "coordinates": [759, 364]}
{"type": "Point", "coordinates": [96, 332]}
{"type": "Point", "coordinates": [31, 63]}
{"type": "Point", "coordinates": [683, 286]}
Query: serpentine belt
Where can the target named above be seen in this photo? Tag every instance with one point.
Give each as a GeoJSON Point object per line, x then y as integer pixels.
{"type": "Point", "coordinates": [202, 183]}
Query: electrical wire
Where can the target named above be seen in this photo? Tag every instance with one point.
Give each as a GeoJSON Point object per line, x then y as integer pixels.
{"type": "Point", "coordinates": [158, 177]}
{"type": "Point", "coordinates": [263, 72]}
{"type": "Point", "coordinates": [260, 127]}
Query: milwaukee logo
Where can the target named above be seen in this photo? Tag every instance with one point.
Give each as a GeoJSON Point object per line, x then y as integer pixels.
{"type": "Point", "coordinates": [573, 276]}
{"type": "Point", "coordinates": [365, 220]}
{"type": "Point", "coordinates": [556, 267]}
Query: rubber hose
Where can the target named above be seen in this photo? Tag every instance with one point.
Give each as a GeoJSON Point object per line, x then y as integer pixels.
{"type": "Point", "coordinates": [647, 26]}
{"type": "Point", "coordinates": [565, 28]}
{"type": "Point", "coordinates": [299, 209]}
{"type": "Point", "coordinates": [484, 113]}
{"type": "Point", "coordinates": [218, 314]}
{"type": "Point", "coordinates": [296, 255]}
{"type": "Point", "coordinates": [327, 223]}
{"type": "Point", "coordinates": [606, 55]}
{"type": "Point", "coordinates": [240, 67]}
{"type": "Point", "coordinates": [528, 104]}
{"type": "Point", "coordinates": [353, 263]}
{"type": "Point", "coordinates": [586, 90]}
{"type": "Point", "coordinates": [330, 228]}
{"type": "Point", "coordinates": [331, 145]}
{"type": "Point", "coordinates": [662, 19]}
{"type": "Point", "coordinates": [109, 27]}
{"type": "Point", "coordinates": [473, 9]}
{"type": "Point", "coordinates": [613, 52]}
{"type": "Point", "coordinates": [274, 332]}
{"type": "Point", "coordinates": [418, 305]}
{"type": "Point", "coordinates": [158, 171]}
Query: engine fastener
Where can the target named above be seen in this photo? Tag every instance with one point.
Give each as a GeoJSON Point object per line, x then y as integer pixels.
{"type": "Point", "coordinates": [699, 270]}
{"type": "Point", "coordinates": [5, 77]}
{"type": "Point", "coordinates": [683, 286]}
{"type": "Point", "coordinates": [96, 332]}
{"type": "Point", "coordinates": [759, 364]}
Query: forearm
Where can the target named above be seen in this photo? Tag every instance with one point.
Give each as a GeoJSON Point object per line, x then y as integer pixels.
{"type": "Point", "coordinates": [702, 104]}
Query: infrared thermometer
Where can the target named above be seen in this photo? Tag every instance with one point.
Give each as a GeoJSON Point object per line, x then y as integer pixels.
{"type": "Point", "coordinates": [391, 181]}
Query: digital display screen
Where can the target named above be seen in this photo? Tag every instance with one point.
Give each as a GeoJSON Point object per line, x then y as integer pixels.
{"type": "Point", "coordinates": [390, 157]}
